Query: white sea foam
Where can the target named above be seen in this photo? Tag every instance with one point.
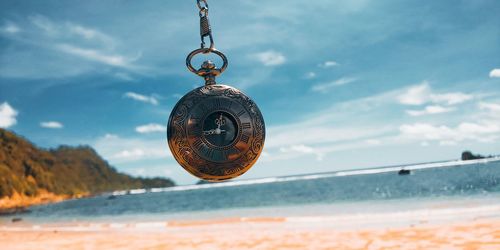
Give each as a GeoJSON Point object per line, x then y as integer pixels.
{"type": "Point", "coordinates": [312, 176]}
{"type": "Point", "coordinates": [138, 191]}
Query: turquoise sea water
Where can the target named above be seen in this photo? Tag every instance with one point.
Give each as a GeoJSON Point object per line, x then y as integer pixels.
{"type": "Point", "coordinates": [369, 190]}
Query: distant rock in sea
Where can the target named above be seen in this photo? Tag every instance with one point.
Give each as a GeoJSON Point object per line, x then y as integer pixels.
{"type": "Point", "coordinates": [468, 155]}
{"type": "Point", "coordinates": [404, 172]}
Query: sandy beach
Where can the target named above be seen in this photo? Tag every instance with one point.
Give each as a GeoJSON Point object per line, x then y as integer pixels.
{"type": "Point", "coordinates": [438, 208]}
{"type": "Point", "coordinates": [262, 234]}
{"type": "Point", "coordinates": [441, 228]}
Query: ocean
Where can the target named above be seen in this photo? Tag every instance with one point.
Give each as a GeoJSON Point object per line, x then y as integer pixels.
{"type": "Point", "coordinates": [344, 192]}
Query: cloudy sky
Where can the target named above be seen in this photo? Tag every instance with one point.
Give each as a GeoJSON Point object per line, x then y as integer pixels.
{"type": "Point", "coordinates": [342, 84]}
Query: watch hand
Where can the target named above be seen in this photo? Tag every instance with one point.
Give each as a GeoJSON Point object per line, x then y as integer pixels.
{"type": "Point", "coordinates": [209, 132]}
{"type": "Point", "coordinates": [218, 121]}
{"type": "Point", "coordinates": [219, 131]}
{"type": "Point", "coordinates": [216, 131]}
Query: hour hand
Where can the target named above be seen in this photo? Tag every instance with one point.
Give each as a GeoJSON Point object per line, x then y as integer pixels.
{"type": "Point", "coordinates": [216, 131]}
{"type": "Point", "coordinates": [209, 132]}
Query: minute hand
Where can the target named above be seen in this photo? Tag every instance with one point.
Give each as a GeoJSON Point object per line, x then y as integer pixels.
{"type": "Point", "coordinates": [213, 131]}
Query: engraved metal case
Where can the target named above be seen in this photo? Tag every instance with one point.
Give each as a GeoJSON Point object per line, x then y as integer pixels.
{"type": "Point", "coordinates": [189, 140]}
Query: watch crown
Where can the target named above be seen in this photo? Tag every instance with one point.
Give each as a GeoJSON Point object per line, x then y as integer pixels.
{"type": "Point", "coordinates": [208, 65]}
{"type": "Point", "coordinates": [208, 71]}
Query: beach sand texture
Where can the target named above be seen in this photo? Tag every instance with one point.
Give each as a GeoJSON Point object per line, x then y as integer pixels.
{"type": "Point", "coordinates": [453, 208]}
{"type": "Point", "coordinates": [255, 233]}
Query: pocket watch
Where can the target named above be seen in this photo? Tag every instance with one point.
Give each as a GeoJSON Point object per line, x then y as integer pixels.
{"type": "Point", "coordinates": [215, 131]}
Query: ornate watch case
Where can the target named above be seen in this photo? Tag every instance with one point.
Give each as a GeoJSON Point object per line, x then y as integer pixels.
{"type": "Point", "coordinates": [215, 132]}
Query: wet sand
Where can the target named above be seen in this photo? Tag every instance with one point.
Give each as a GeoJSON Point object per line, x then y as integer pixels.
{"type": "Point", "coordinates": [256, 233]}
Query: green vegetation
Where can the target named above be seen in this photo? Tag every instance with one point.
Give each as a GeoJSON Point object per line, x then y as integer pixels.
{"type": "Point", "coordinates": [73, 171]}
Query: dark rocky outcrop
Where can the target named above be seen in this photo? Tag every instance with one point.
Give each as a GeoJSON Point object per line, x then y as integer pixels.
{"type": "Point", "coordinates": [468, 155]}
{"type": "Point", "coordinates": [27, 171]}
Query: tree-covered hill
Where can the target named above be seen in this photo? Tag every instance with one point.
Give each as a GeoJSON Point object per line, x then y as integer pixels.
{"type": "Point", "coordinates": [74, 171]}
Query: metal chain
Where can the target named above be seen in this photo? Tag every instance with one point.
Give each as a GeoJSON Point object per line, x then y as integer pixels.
{"type": "Point", "coordinates": [208, 69]}
{"type": "Point", "coordinates": [205, 29]}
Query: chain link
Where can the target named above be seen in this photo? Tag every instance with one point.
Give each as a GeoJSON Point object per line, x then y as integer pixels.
{"type": "Point", "coordinates": [202, 4]}
{"type": "Point", "coordinates": [205, 28]}
{"type": "Point", "coordinates": [208, 69]}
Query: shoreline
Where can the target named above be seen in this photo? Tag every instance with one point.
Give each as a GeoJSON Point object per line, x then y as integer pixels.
{"type": "Point", "coordinates": [21, 203]}
{"type": "Point", "coordinates": [436, 224]}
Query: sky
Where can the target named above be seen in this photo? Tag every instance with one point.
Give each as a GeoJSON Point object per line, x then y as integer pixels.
{"type": "Point", "coordinates": [342, 84]}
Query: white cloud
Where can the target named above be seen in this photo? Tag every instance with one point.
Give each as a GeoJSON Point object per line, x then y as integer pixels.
{"type": "Point", "coordinates": [89, 33]}
{"type": "Point", "coordinates": [495, 107]}
{"type": "Point", "coordinates": [325, 87]}
{"type": "Point", "coordinates": [49, 48]}
{"type": "Point", "coordinates": [332, 129]}
{"type": "Point", "coordinates": [427, 131]}
{"type": "Point", "coordinates": [7, 115]}
{"type": "Point", "coordinates": [97, 56]}
{"type": "Point", "coordinates": [154, 170]}
{"type": "Point", "coordinates": [63, 30]}
{"type": "Point", "coordinates": [124, 150]}
{"type": "Point", "coordinates": [328, 64]}
{"type": "Point", "coordinates": [475, 128]}
{"type": "Point", "coordinates": [51, 124]}
{"type": "Point", "coordinates": [270, 58]}
{"type": "Point", "coordinates": [150, 128]}
{"type": "Point", "coordinates": [416, 95]}
{"type": "Point", "coordinates": [127, 154]}
{"type": "Point", "coordinates": [310, 75]}
{"type": "Point", "coordinates": [302, 149]}
{"type": "Point", "coordinates": [373, 142]}
{"type": "Point", "coordinates": [429, 110]}
{"type": "Point", "coordinates": [10, 28]}
{"type": "Point", "coordinates": [495, 73]}
{"type": "Point", "coordinates": [484, 131]}
{"type": "Point", "coordinates": [320, 133]}
{"type": "Point", "coordinates": [329, 130]}
{"type": "Point", "coordinates": [44, 24]}
{"type": "Point", "coordinates": [110, 136]}
{"type": "Point", "coordinates": [141, 98]}
{"type": "Point", "coordinates": [334, 125]}
{"type": "Point", "coordinates": [422, 94]}
{"type": "Point", "coordinates": [450, 98]}
{"type": "Point", "coordinates": [448, 143]}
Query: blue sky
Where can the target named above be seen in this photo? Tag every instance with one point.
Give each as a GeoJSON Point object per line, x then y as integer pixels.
{"type": "Point", "coordinates": [341, 84]}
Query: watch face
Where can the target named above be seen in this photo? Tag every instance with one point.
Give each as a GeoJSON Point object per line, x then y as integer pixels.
{"type": "Point", "coordinates": [216, 132]}
{"type": "Point", "coordinates": [220, 129]}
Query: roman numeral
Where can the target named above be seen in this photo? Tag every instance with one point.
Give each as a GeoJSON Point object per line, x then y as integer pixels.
{"type": "Point", "coordinates": [198, 144]}
{"type": "Point", "coordinates": [196, 130]}
{"type": "Point", "coordinates": [223, 155]}
{"type": "Point", "coordinates": [203, 108]}
{"type": "Point", "coordinates": [245, 125]}
{"type": "Point", "coordinates": [195, 121]}
{"type": "Point", "coordinates": [216, 103]}
{"type": "Point", "coordinates": [244, 138]}
{"type": "Point", "coordinates": [209, 152]}
{"type": "Point", "coordinates": [233, 151]}
{"type": "Point", "coordinates": [241, 112]}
